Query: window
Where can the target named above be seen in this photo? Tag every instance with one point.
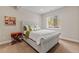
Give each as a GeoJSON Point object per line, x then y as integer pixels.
{"type": "Point", "coordinates": [52, 22]}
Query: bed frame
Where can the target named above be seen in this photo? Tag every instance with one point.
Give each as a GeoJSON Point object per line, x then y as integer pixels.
{"type": "Point", "coordinates": [45, 45]}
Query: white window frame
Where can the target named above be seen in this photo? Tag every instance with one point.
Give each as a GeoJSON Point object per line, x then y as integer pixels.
{"type": "Point", "coordinates": [47, 22]}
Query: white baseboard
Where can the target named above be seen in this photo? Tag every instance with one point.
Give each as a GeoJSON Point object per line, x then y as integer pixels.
{"type": "Point", "coordinates": [69, 39]}
{"type": "Point", "coordinates": [4, 42]}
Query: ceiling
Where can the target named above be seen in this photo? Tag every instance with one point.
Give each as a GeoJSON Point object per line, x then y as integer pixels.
{"type": "Point", "coordinates": [41, 9]}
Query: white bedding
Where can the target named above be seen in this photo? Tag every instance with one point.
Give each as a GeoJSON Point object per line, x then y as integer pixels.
{"type": "Point", "coordinates": [38, 35]}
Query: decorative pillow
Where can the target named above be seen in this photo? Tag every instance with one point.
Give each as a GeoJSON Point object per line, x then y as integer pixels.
{"type": "Point", "coordinates": [27, 28]}
{"type": "Point", "coordinates": [27, 34]}
{"type": "Point", "coordinates": [30, 29]}
{"type": "Point", "coordinates": [33, 28]}
{"type": "Point", "coordinates": [24, 28]}
{"type": "Point", "coordinates": [37, 27]}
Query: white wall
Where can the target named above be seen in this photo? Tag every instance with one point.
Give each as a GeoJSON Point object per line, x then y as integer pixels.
{"type": "Point", "coordinates": [69, 21]}
{"type": "Point", "coordinates": [5, 30]}
{"type": "Point", "coordinates": [21, 15]}
{"type": "Point", "coordinates": [29, 17]}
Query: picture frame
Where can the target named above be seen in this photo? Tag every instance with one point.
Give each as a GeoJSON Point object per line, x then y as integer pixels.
{"type": "Point", "coordinates": [10, 20]}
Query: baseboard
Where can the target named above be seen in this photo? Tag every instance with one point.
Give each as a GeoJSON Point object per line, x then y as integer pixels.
{"type": "Point", "coordinates": [4, 42]}
{"type": "Point", "coordinates": [69, 39]}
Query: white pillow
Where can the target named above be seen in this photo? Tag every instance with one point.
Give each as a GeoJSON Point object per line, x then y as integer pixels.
{"type": "Point", "coordinates": [33, 28]}
{"type": "Point", "coordinates": [37, 27]}
{"type": "Point", "coordinates": [24, 32]}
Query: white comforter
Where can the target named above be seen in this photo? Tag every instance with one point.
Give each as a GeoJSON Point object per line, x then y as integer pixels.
{"type": "Point", "coordinates": [38, 35]}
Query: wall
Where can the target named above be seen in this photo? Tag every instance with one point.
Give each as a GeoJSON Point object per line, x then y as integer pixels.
{"type": "Point", "coordinates": [69, 22]}
{"type": "Point", "coordinates": [29, 17]}
{"type": "Point", "coordinates": [21, 15]}
{"type": "Point", "coordinates": [5, 30]}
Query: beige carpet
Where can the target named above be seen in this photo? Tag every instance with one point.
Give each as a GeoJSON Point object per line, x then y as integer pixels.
{"type": "Point", "coordinates": [62, 47]}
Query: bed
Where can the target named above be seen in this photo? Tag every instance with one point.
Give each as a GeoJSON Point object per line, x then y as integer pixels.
{"type": "Point", "coordinates": [43, 40]}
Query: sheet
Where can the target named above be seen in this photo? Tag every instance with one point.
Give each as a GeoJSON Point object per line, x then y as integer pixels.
{"type": "Point", "coordinates": [38, 35]}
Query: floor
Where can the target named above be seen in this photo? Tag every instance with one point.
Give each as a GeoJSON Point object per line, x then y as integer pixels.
{"type": "Point", "coordinates": [63, 47]}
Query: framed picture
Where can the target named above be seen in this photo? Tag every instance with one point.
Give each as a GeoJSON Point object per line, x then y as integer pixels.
{"type": "Point", "coordinates": [10, 20]}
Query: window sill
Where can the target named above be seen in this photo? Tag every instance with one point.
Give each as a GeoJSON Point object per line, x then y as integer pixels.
{"type": "Point", "coordinates": [53, 28]}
